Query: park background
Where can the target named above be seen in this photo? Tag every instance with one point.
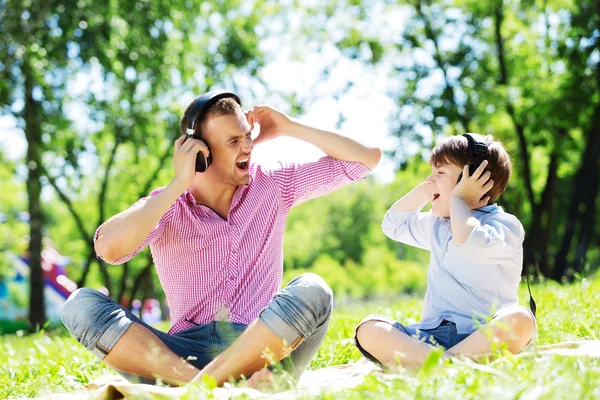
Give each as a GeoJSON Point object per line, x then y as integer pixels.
{"type": "Point", "coordinates": [91, 94]}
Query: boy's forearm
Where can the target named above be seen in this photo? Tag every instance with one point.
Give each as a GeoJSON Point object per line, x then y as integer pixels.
{"type": "Point", "coordinates": [461, 220]}
{"type": "Point", "coordinates": [335, 145]}
{"type": "Point", "coordinates": [126, 231]}
{"type": "Point", "coordinates": [414, 200]}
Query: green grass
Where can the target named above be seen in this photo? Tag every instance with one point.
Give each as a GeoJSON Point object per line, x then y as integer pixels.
{"type": "Point", "coordinates": [38, 364]}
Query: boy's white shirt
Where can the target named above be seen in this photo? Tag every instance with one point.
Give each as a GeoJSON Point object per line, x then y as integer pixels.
{"type": "Point", "coordinates": [470, 282]}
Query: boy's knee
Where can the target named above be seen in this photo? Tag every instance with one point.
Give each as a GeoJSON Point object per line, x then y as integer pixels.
{"type": "Point", "coordinates": [370, 332]}
{"type": "Point", "coordinates": [523, 323]}
{"type": "Point", "coordinates": [516, 324]}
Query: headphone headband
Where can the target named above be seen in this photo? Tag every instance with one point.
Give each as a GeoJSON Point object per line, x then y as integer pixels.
{"type": "Point", "coordinates": [477, 147]}
{"type": "Point", "coordinates": [204, 102]}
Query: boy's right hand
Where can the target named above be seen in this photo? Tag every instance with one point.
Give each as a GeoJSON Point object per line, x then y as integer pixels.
{"type": "Point", "coordinates": [184, 160]}
{"type": "Point", "coordinates": [473, 189]}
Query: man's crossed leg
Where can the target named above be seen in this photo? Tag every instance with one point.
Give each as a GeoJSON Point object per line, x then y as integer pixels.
{"type": "Point", "coordinates": [292, 326]}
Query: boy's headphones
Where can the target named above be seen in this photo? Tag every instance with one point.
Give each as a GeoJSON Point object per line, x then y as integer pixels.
{"type": "Point", "coordinates": [478, 148]}
{"type": "Point", "coordinates": [200, 106]}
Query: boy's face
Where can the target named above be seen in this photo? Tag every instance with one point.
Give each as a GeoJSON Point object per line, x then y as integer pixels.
{"type": "Point", "coordinates": [441, 182]}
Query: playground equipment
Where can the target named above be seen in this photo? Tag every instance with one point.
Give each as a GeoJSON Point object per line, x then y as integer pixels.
{"type": "Point", "coordinates": [14, 291]}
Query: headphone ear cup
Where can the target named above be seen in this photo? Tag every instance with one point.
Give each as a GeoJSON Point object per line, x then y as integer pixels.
{"type": "Point", "coordinates": [202, 162]}
{"type": "Point", "coordinates": [472, 169]}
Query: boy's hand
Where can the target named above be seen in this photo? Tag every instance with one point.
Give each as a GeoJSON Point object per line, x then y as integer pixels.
{"type": "Point", "coordinates": [414, 200]}
{"type": "Point", "coordinates": [272, 122]}
{"type": "Point", "coordinates": [472, 188]}
{"type": "Point", "coordinates": [423, 192]}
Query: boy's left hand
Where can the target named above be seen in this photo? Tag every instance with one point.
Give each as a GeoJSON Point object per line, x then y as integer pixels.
{"type": "Point", "coordinates": [272, 122]}
{"type": "Point", "coordinates": [472, 188]}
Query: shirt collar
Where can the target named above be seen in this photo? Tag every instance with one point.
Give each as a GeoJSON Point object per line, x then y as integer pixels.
{"type": "Point", "coordinates": [489, 209]}
{"type": "Point", "coordinates": [479, 212]}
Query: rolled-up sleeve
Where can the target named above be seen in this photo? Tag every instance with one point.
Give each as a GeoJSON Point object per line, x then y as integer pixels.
{"type": "Point", "coordinates": [152, 237]}
{"type": "Point", "coordinates": [495, 241]}
{"type": "Point", "coordinates": [301, 182]}
{"type": "Point", "coordinates": [412, 228]}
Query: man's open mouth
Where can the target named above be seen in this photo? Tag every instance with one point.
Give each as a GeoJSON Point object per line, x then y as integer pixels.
{"type": "Point", "coordinates": [242, 164]}
{"type": "Point", "coordinates": [435, 196]}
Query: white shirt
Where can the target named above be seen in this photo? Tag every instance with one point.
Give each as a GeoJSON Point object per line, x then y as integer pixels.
{"type": "Point", "coordinates": [466, 284]}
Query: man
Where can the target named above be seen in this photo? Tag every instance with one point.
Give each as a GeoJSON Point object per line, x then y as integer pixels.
{"type": "Point", "coordinates": [217, 242]}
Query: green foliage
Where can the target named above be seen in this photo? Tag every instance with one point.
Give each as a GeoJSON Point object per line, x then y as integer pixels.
{"type": "Point", "coordinates": [38, 364]}
{"type": "Point", "coordinates": [12, 230]}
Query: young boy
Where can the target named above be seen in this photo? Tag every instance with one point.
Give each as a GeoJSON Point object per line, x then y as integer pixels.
{"type": "Point", "coordinates": [475, 264]}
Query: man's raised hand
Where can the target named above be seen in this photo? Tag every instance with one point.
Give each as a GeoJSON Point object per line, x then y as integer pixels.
{"type": "Point", "coordinates": [184, 160]}
{"type": "Point", "coordinates": [273, 123]}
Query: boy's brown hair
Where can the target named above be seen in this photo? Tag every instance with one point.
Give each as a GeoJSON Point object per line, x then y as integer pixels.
{"type": "Point", "coordinates": [225, 106]}
{"type": "Point", "coordinates": [455, 150]}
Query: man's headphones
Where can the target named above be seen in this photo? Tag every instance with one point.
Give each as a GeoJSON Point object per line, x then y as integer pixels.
{"type": "Point", "coordinates": [201, 105]}
{"type": "Point", "coordinates": [479, 148]}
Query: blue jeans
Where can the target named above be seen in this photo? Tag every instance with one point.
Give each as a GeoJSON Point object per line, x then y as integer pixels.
{"type": "Point", "coordinates": [444, 335]}
{"type": "Point", "coordinates": [299, 314]}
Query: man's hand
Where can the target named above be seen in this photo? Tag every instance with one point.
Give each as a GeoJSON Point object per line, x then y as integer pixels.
{"type": "Point", "coordinates": [184, 159]}
{"type": "Point", "coordinates": [272, 122]}
{"type": "Point", "coordinates": [472, 188]}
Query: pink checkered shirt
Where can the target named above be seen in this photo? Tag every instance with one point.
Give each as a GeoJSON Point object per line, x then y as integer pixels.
{"type": "Point", "coordinates": [216, 269]}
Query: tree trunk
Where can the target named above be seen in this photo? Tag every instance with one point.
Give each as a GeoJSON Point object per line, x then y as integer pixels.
{"type": "Point", "coordinates": [139, 280]}
{"type": "Point", "coordinates": [37, 312]}
{"type": "Point", "coordinates": [588, 211]}
{"type": "Point", "coordinates": [86, 269]}
{"type": "Point", "coordinates": [541, 225]}
{"type": "Point", "coordinates": [123, 286]}
{"type": "Point", "coordinates": [585, 190]}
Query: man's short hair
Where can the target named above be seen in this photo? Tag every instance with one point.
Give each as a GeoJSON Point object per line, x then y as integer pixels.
{"type": "Point", "coordinates": [455, 150]}
{"type": "Point", "coordinates": [225, 106]}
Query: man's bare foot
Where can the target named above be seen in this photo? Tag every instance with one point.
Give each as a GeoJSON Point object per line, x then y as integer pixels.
{"type": "Point", "coordinates": [260, 380]}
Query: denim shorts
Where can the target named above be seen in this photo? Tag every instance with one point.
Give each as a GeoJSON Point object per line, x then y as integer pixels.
{"type": "Point", "coordinates": [444, 335]}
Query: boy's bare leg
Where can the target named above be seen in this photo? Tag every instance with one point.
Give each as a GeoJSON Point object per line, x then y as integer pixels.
{"type": "Point", "coordinates": [513, 326]}
{"type": "Point", "coordinates": [140, 352]}
{"type": "Point", "coordinates": [392, 347]}
{"type": "Point", "coordinates": [246, 355]}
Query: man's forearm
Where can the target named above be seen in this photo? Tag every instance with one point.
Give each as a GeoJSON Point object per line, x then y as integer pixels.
{"type": "Point", "coordinates": [461, 220]}
{"type": "Point", "coordinates": [126, 231]}
{"type": "Point", "coordinates": [335, 145]}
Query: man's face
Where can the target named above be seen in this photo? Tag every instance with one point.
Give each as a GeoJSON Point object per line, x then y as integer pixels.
{"type": "Point", "coordinates": [230, 143]}
{"type": "Point", "coordinates": [441, 182]}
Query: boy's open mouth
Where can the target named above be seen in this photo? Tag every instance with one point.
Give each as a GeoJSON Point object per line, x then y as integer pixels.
{"type": "Point", "coordinates": [242, 164]}
{"type": "Point", "coordinates": [435, 196]}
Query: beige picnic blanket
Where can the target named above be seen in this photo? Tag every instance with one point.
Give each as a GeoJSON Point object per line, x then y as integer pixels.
{"type": "Point", "coordinates": [325, 380]}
